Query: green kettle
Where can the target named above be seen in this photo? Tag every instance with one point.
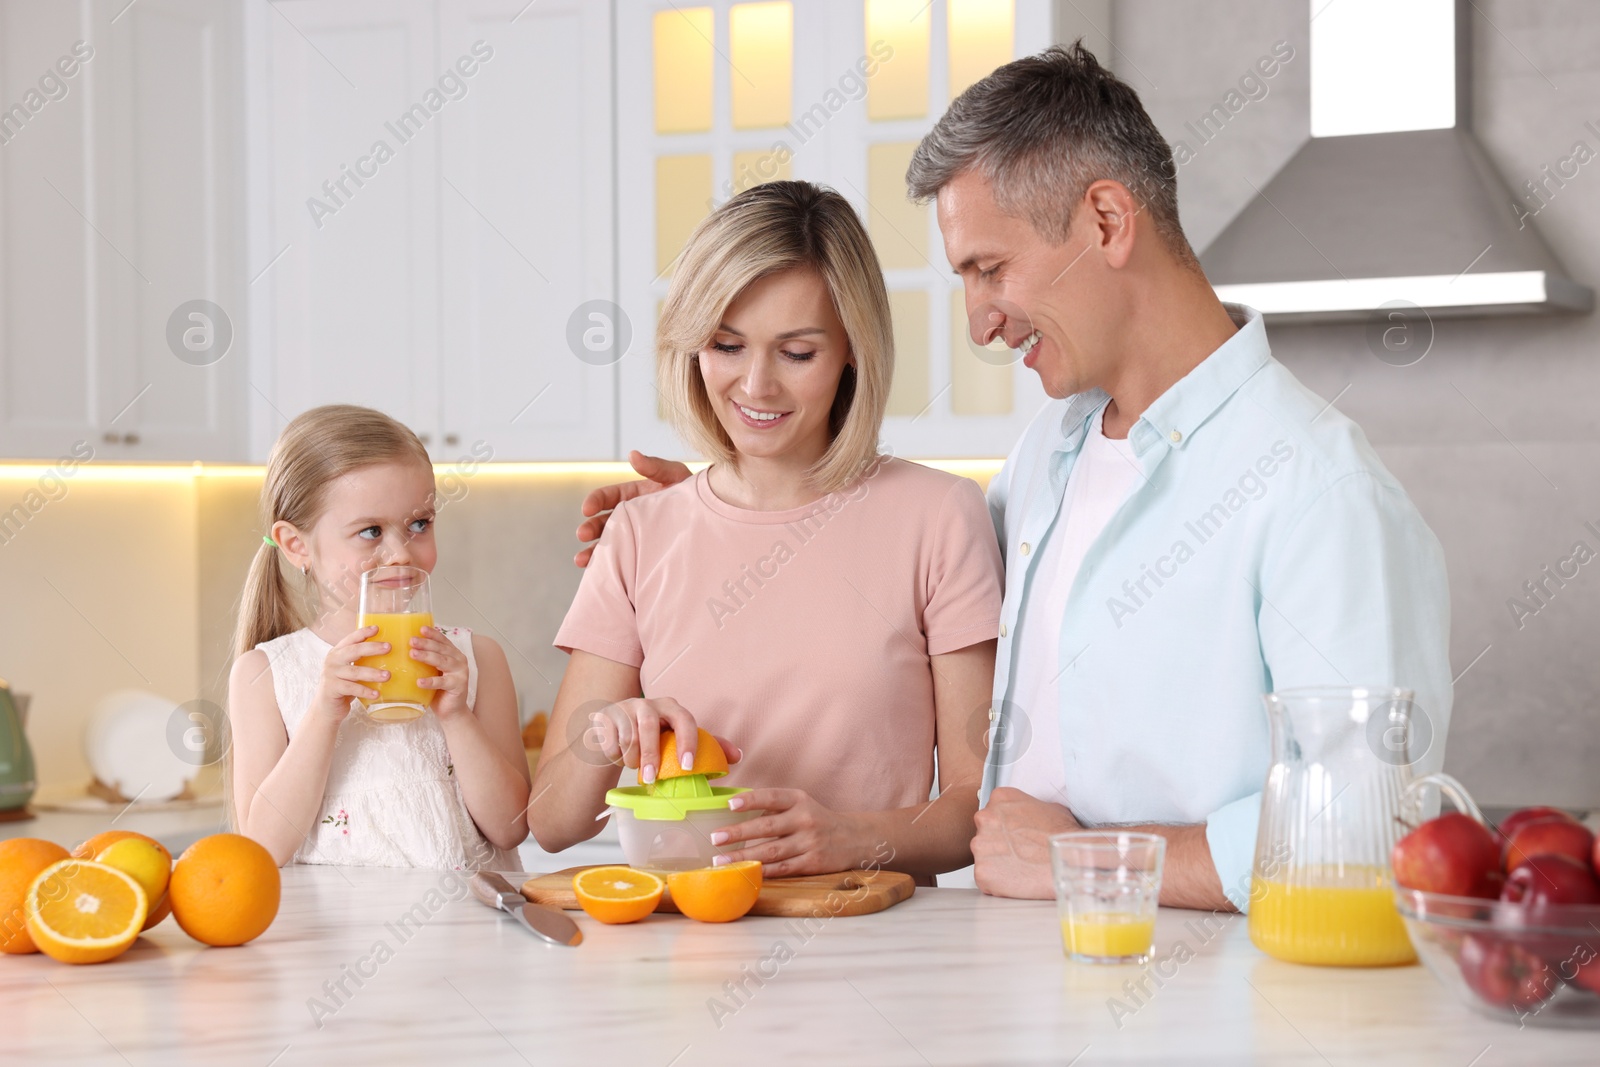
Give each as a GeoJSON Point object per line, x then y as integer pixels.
{"type": "Point", "coordinates": [16, 758]}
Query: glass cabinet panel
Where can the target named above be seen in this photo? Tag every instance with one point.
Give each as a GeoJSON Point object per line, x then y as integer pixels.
{"type": "Point", "coordinates": [758, 167]}
{"type": "Point", "coordinates": [683, 198]}
{"type": "Point", "coordinates": [683, 55]}
{"type": "Point", "coordinates": [980, 378]}
{"type": "Point", "coordinates": [980, 33]}
{"type": "Point", "coordinates": [761, 55]}
{"type": "Point", "coordinates": [908, 394]}
{"type": "Point", "coordinates": [899, 90]}
{"type": "Point", "coordinates": [898, 227]}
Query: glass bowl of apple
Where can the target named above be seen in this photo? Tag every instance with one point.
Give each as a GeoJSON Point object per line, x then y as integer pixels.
{"type": "Point", "coordinates": [1508, 918]}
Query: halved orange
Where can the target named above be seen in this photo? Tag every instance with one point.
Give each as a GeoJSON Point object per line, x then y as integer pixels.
{"type": "Point", "coordinates": [80, 911]}
{"type": "Point", "coordinates": [617, 894]}
{"type": "Point", "coordinates": [717, 894]}
{"type": "Point", "coordinates": [709, 759]}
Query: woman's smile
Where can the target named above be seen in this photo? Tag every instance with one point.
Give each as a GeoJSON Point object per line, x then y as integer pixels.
{"type": "Point", "coordinates": [760, 418]}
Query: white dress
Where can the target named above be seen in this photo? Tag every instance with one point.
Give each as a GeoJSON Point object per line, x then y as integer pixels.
{"type": "Point", "coordinates": [392, 798]}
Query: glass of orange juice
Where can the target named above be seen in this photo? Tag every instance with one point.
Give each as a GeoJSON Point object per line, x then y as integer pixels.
{"type": "Point", "coordinates": [1108, 883]}
{"type": "Point", "coordinates": [398, 602]}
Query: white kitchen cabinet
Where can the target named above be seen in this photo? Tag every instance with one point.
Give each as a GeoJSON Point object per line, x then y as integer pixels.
{"type": "Point", "coordinates": [119, 205]}
{"type": "Point", "coordinates": [349, 276]}
{"type": "Point", "coordinates": [863, 81]}
{"type": "Point", "coordinates": [429, 207]}
{"type": "Point", "coordinates": [439, 205]}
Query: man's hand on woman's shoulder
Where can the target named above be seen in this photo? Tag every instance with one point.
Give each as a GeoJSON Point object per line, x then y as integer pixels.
{"type": "Point", "coordinates": [658, 474]}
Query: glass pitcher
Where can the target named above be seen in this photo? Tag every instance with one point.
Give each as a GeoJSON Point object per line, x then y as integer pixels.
{"type": "Point", "coordinates": [1341, 791]}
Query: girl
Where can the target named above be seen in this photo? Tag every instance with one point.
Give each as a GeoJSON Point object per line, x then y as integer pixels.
{"type": "Point", "coordinates": [830, 611]}
{"type": "Point", "coordinates": [349, 489]}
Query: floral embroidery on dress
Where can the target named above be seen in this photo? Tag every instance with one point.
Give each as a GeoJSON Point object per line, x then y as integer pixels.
{"type": "Point", "coordinates": [342, 820]}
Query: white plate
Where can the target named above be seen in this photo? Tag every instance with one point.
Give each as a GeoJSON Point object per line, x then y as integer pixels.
{"type": "Point", "coordinates": [128, 748]}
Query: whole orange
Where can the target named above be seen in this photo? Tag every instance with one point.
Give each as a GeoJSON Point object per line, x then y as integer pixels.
{"type": "Point", "coordinates": [21, 860]}
{"type": "Point", "coordinates": [225, 890]}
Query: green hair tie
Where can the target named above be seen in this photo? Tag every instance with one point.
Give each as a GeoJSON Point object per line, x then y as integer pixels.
{"type": "Point", "coordinates": [269, 540]}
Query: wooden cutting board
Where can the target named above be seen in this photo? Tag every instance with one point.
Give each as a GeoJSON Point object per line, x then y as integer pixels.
{"type": "Point", "coordinates": [822, 895]}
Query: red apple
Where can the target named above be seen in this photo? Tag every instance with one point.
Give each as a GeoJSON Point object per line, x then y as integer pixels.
{"type": "Point", "coordinates": [1453, 854]}
{"type": "Point", "coordinates": [1504, 974]}
{"type": "Point", "coordinates": [1550, 837]}
{"type": "Point", "coordinates": [1594, 860]}
{"type": "Point", "coordinates": [1550, 880]}
{"type": "Point", "coordinates": [1587, 964]}
{"type": "Point", "coordinates": [1541, 897]}
{"type": "Point", "coordinates": [1523, 816]}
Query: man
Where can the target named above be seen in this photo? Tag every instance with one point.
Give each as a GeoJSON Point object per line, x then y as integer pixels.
{"type": "Point", "coordinates": [1185, 528]}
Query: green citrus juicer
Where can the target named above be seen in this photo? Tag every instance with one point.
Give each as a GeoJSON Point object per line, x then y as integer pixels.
{"type": "Point", "coordinates": [667, 825]}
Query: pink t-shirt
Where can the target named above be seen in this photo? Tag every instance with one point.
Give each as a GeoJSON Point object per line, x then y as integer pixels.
{"type": "Point", "coordinates": [803, 636]}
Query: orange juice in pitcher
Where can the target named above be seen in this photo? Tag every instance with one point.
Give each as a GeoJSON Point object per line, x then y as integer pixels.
{"type": "Point", "coordinates": [1335, 918]}
{"type": "Point", "coordinates": [1342, 788]}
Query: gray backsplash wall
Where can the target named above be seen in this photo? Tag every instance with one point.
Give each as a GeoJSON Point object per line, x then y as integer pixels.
{"type": "Point", "coordinates": [1494, 433]}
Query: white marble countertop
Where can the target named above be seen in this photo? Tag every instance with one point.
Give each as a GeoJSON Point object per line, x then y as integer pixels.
{"type": "Point", "coordinates": [948, 977]}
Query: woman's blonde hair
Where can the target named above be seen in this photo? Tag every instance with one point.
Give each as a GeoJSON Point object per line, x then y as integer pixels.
{"type": "Point", "coordinates": [763, 230]}
{"type": "Point", "coordinates": [317, 447]}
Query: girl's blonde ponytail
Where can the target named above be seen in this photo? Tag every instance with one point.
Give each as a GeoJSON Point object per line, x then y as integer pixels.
{"type": "Point", "coordinates": [265, 611]}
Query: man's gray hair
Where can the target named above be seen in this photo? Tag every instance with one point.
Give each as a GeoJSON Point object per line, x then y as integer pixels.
{"type": "Point", "coordinates": [1041, 129]}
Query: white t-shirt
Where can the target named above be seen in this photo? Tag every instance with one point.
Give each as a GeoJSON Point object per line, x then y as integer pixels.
{"type": "Point", "coordinates": [1103, 476]}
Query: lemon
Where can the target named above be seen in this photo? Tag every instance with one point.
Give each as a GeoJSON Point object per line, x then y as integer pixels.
{"type": "Point", "coordinates": [147, 862]}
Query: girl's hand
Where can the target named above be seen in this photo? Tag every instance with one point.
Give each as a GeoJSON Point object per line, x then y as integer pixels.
{"type": "Point", "coordinates": [437, 650]}
{"type": "Point", "coordinates": [808, 838]}
{"type": "Point", "coordinates": [628, 733]}
{"type": "Point", "coordinates": [342, 679]}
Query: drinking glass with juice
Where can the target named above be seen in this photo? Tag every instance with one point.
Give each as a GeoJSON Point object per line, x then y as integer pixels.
{"type": "Point", "coordinates": [1108, 884]}
{"type": "Point", "coordinates": [398, 602]}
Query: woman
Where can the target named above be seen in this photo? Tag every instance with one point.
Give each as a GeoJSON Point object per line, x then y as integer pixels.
{"type": "Point", "coordinates": [820, 606]}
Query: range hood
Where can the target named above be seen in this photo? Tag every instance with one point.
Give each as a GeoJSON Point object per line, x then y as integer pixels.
{"type": "Point", "coordinates": [1391, 202]}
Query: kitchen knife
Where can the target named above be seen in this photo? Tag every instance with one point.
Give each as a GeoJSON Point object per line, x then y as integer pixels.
{"type": "Point", "coordinates": [548, 923]}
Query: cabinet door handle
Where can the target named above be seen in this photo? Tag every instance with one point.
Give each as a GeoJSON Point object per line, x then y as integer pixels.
{"type": "Point", "coordinates": [130, 438]}
{"type": "Point", "coordinates": [425, 438]}
{"type": "Point", "coordinates": [452, 439]}
{"type": "Point", "coordinates": [111, 438]}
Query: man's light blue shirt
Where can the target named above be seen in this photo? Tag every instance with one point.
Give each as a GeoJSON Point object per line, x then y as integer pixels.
{"type": "Point", "coordinates": [1264, 547]}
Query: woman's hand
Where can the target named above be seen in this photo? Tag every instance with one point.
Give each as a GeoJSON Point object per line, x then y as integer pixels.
{"type": "Point", "coordinates": [809, 838]}
{"type": "Point", "coordinates": [342, 679]}
{"type": "Point", "coordinates": [628, 733]}
{"type": "Point", "coordinates": [438, 651]}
